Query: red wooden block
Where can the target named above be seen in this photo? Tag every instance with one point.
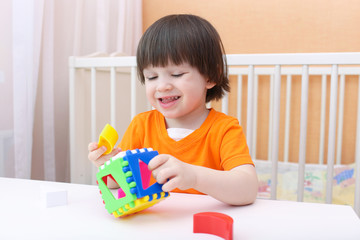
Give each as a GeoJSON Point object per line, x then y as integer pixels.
{"type": "Point", "coordinates": [218, 224]}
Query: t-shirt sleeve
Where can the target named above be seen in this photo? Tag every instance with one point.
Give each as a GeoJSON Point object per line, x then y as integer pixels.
{"type": "Point", "coordinates": [234, 150]}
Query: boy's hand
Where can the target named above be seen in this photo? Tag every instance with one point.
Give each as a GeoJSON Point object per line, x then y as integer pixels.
{"type": "Point", "coordinates": [172, 172]}
{"type": "Point", "coordinates": [96, 154]}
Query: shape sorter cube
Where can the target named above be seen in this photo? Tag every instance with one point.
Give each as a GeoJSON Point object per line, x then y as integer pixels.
{"type": "Point", "coordinates": [129, 170]}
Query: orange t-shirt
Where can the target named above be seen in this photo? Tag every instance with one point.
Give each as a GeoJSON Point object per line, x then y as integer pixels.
{"type": "Point", "coordinates": [218, 144]}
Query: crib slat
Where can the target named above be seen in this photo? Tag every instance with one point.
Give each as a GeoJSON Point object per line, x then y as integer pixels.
{"type": "Point", "coordinates": [332, 129]}
{"type": "Point", "coordinates": [303, 131]}
{"type": "Point", "coordinates": [225, 103]}
{"type": "Point", "coordinates": [271, 110]}
{"type": "Point", "coordinates": [113, 96]}
{"type": "Point", "coordinates": [357, 158]}
{"type": "Point", "coordinates": [72, 78]}
{"type": "Point", "coordinates": [93, 117]}
{"type": "Point", "coordinates": [239, 98]}
{"type": "Point", "coordinates": [287, 118]}
{"type": "Point", "coordinates": [254, 131]}
{"type": "Point", "coordinates": [340, 119]}
{"type": "Point", "coordinates": [133, 92]}
{"type": "Point", "coordinates": [93, 104]}
{"type": "Point", "coordinates": [322, 119]}
{"type": "Point", "coordinates": [275, 137]}
{"type": "Point", "coordinates": [249, 115]}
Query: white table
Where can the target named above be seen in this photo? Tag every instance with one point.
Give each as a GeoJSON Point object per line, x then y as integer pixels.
{"type": "Point", "coordinates": [84, 217]}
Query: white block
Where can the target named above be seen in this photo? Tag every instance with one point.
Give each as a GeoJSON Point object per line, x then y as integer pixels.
{"type": "Point", "coordinates": [53, 197]}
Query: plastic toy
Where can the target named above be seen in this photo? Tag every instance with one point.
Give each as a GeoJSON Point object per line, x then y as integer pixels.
{"type": "Point", "coordinates": [52, 196]}
{"type": "Point", "coordinates": [108, 138]}
{"type": "Point", "coordinates": [129, 170]}
{"type": "Point", "coordinates": [218, 224]}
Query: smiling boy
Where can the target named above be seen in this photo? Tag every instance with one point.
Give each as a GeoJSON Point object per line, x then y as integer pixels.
{"type": "Point", "coordinates": [180, 60]}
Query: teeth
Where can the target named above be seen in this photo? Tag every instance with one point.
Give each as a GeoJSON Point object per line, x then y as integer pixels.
{"type": "Point", "coordinates": [169, 99]}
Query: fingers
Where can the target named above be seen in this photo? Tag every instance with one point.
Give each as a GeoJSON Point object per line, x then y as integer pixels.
{"type": "Point", "coordinates": [163, 175]}
{"type": "Point", "coordinates": [103, 158]}
{"type": "Point", "coordinates": [166, 170]}
{"type": "Point", "coordinates": [171, 184]}
{"type": "Point", "coordinates": [96, 154]}
{"type": "Point", "coordinates": [114, 152]}
{"type": "Point", "coordinates": [92, 146]}
{"type": "Point", "coordinates": [173, 173]}
{"type": "Point", "coordinates": [157, 161]}
{"type": "Point", "coordinates": [159, 167]}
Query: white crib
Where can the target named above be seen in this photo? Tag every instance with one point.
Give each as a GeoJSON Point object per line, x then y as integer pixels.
{"type": "Point", "coordinates": [110, 85]}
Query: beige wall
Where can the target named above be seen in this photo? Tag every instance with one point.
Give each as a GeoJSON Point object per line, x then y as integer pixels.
{"type": "Point", "coordinates": [281, 26]}
{"type": "Point", "coordinates": [275, 26]}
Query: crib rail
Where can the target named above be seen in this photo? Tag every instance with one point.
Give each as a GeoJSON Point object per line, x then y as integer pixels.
{"type": "Point", "coordinates": [252, 66]}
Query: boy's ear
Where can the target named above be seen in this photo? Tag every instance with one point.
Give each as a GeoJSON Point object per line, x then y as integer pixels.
{"type": "Point", "coordinates": [209, 84]}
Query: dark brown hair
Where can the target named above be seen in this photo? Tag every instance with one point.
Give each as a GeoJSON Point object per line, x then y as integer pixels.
{"type": "Point", "coordinates": [185, 38]}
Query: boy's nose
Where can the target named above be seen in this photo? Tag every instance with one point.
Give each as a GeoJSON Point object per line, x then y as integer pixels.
{"type": "Point", "coordinates": [164, 85]}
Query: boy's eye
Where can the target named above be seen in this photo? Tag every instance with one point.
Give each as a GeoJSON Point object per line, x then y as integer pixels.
{"type": "Point", "coordinates": [177, 75]}
{"type": "Point", "coordinates": [151, 78]}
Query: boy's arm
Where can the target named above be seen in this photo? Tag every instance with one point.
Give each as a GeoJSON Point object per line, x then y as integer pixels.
{"type": "Point", "coordinates": [236, 187]}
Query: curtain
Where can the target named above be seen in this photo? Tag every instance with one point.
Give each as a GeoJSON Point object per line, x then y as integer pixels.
{"type": "Point", "coordinates": [37, 37]}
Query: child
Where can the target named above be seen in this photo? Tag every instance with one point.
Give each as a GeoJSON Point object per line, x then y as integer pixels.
{"type": "Point", "coordinates": [180, 61]}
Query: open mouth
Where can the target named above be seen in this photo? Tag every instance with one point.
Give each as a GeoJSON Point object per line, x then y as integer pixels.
{"type": "Point", "coordinates": [168, 99]}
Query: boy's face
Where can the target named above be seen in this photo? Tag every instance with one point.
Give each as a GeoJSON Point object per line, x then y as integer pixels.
{"type": "Point", "coordinates": [177, 91]}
